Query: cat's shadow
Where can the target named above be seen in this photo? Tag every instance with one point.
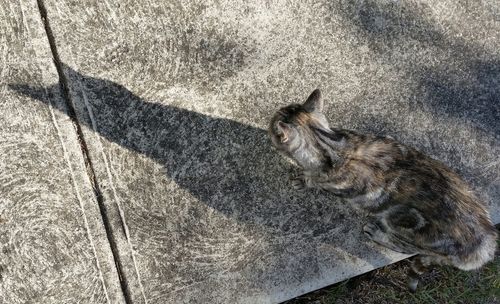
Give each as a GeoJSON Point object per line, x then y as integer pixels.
{"type": "Point", "coordinates": [229, 166]}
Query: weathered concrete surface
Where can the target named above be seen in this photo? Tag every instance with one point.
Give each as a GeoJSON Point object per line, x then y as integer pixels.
{"type": "Point", "coordinates": [174, 96]}
{"type": "Point", "coordinates": [53, 248]}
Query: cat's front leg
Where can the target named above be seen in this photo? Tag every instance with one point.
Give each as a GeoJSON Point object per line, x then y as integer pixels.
{"type": "Point", "coordinates": [339, 186]}
{"type": "Point", "coordinates": [307, 180]}
{"type": "Point", "coordinates": [304, 181]}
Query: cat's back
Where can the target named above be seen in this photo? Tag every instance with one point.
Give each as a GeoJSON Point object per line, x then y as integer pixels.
{"type": "Point", "coordinates": [427, 182]}
{"type": "Point", "coordinates": [398, 175]}
{"type": "Point", "coordinates": [431, 186]}
{"type": "Point", "coordinates": [380, 153]}
{"type": "Point", "coordinates": [455, 222]}
{"type": "Point", "coordinates": [402, 175]}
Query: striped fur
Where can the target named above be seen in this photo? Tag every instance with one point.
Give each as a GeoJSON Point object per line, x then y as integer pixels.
{"type": "Point", "coordinates": [417, 205]}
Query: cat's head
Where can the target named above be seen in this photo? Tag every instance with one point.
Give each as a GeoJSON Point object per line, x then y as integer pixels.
{"type": "Point", "coordinates": [292, 124]}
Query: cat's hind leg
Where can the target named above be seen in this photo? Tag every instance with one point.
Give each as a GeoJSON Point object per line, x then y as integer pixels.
{"type": "Point", "coordinates": [396, 229]}
{"type": "Point", "coordinates": [376, 231]}
{"type": "Point", "coordinates": [419, 265]}
{"type": "Point", "coordinates": [399, 229]}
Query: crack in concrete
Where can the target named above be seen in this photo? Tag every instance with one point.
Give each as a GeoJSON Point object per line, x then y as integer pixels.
{"type": "Point", "coordinates": [85, 153]}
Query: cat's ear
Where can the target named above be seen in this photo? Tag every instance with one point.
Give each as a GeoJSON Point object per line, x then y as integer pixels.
{"type": "Point", "coordinates": [284, 131]}
{"type": "Point", "coordinates": [314, 102]}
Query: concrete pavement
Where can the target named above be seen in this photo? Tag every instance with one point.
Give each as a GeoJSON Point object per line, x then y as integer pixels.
{"type": "Point", "coordinates": [172, 100]}
{"type": "Point", "coordinates": [53, 245]}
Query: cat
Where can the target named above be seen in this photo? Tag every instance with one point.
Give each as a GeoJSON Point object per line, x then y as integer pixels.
{"type": "Point", "coordinates": [415, 204]}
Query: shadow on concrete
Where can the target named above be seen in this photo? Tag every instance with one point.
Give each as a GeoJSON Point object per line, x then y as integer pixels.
{"type": "Point", "coordinates": [227, 165]}
{"type": "Point", "coordinates": [463, 81]}
{"type": "Point", "coordinates": [385, 23]}
{"type": "Point", "coordinates": [475, 100]}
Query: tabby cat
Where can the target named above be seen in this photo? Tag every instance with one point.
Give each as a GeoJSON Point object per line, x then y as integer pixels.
{"type": "Point", "coordinates": [415, 204]}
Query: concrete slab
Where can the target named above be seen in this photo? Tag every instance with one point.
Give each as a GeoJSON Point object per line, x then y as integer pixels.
{"type": "Point", "coordinates": [53, 247]}
{"type": "Point", "coordinates": [174, 99]}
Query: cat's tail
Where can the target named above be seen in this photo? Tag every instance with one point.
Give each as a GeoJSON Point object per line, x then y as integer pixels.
{"type": "Point", "coordinates": [483, 253]}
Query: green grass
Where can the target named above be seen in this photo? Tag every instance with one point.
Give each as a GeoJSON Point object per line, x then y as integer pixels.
{"type": "Point", "coordinates": [388, 285]}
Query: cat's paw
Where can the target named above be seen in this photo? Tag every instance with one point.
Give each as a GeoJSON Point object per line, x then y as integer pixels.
{"type": "Point", "coordinates": [375, 232]}
{"type": "Point", "coordinates": [412, 285]}
{"type": "Point", "coordinates": [298, 183]}
{"type": "Point", "coordinates": [370, 230]}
